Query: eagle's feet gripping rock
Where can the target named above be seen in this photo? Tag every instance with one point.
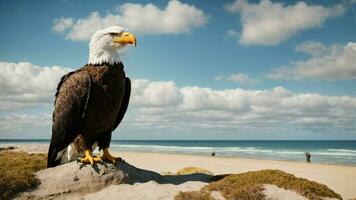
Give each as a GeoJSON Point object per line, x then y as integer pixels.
{"type": "Point", "coordinates": [107, 156]}
{"type": "Point", "coordinates": [89, 159]}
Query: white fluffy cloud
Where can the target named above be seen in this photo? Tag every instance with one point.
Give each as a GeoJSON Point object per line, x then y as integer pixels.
{"type": "Point", "coordinates": [164, 104]}
{"type": "Point", "coordinates": [62, 24]}
{"type": "Point", "coordinates": [158, 94]}
{"type": "Point", "coordinates": [335, 62]}
{"type": "Point", "coordinates": [268, 23]}
{"type": "Point", "coordinates": [24, 84]}
{"type": "Point", "coordinates": [175, 18]}
{"type": "Point", "coordinates": [262, 110]}
{"type": "Point", "coordinates": [14, 122]}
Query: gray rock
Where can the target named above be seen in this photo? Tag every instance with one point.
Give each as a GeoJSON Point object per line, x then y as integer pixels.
{"type": "Point", "coordinates": [75, 179]}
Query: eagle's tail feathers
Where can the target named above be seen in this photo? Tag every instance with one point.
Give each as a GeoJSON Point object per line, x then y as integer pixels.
{"type": "Point", "coordinates": [52, 156]}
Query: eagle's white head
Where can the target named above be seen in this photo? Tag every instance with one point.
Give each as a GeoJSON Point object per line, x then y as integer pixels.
{"type": "Point", "coordinates": [104, 44]}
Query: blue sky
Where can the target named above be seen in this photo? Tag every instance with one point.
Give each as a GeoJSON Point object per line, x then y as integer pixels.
{"type": "Point", "coordinates": [236, 49]}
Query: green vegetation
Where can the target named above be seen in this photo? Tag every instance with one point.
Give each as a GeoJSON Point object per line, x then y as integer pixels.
{"type": "Point", "coordinates": [248, 186]}
{"type": "Point", "coordinates": [17, 171]}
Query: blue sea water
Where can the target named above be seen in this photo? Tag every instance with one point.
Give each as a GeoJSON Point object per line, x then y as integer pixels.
{"type": "Point", "coordinates": [327, 152]}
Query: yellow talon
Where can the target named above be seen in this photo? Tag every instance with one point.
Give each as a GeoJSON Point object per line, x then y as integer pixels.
{"type": "Point", "coordinates": [89, 158]}
{"type": "Point", "coordinates": [109, 157]}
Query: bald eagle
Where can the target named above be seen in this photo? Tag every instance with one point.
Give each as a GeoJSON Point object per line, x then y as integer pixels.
{"type": "Point", "coordinates": [91, 102]}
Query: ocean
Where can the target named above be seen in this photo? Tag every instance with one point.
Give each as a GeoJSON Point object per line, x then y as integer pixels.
{"type": "Point", "coordinates": [326, 152]}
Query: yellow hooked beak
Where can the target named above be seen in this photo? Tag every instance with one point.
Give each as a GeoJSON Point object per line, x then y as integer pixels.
{"type": "Point", "coordinates": [125, 38]}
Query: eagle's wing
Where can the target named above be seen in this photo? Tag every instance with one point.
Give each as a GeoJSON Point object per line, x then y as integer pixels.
{"type": "Point", "coordinates": [124, 103]}
{"type": "Point", "coordinates": [71, 99]}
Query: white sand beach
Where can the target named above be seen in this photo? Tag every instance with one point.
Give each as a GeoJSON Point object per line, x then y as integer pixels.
{"type": "Point", "coordinates": [341, 179]}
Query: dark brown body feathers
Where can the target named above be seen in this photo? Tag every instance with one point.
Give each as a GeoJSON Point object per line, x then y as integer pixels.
{"type": "Point", "coordinates": [90, 103]}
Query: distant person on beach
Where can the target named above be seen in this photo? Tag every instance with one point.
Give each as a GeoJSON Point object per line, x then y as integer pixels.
{"type": "Point", "coordinates": [307, 157]}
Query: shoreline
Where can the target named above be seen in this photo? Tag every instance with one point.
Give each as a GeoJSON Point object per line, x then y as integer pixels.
{"type": "Point", "coordinates": [43, 148]}
{"type": "Point", "coordinates": [237, 157]}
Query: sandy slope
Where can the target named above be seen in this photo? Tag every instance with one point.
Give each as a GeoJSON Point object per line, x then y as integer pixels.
{"type": "Point", "coordinates": [342, 179]}
{"type": "Point", "coordinates": [144, 191]}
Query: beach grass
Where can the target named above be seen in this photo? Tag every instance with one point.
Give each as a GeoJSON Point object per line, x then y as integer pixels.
{"type": "Point", "coordinates": [193, 170]}
{"type": "Point", "coordinates": [249, 186]}
{"type": "Point", "coordinates": [17, 171]}
{"type": "Point", "coordinates": [189, 170]}
{"type": "Point", "coordinates": [194, 195]}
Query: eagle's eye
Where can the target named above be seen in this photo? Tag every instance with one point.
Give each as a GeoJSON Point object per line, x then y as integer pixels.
{"type": "Point", "coordinates": [114, 34]}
